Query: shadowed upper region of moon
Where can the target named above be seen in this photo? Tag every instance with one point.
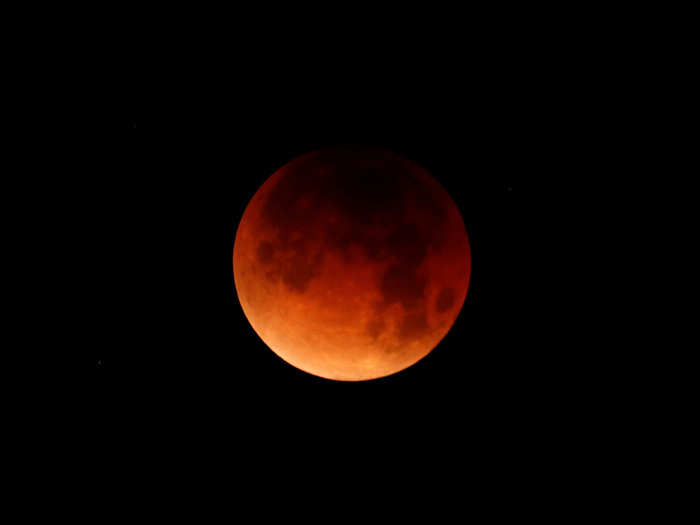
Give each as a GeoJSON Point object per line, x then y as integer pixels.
{"type": "Point", "coordinates": [360, 232]}
{"type": "Point", "coordinates": [369, 190]}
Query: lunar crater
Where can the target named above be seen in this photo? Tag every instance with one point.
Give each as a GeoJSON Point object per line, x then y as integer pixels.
{"type": "Point", "coordinates": [401, 283]}
{"type": "Point", "coordinates": [445, 299]}
{"type": "Point", "coordinates": [266, 252]}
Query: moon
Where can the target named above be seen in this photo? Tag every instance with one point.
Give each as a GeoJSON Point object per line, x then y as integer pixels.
{"type": "Point", "coordinates": [351, 263]}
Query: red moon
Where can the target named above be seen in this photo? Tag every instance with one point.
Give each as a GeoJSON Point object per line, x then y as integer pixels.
{"type": "Point", "coordinates": [351, 263]}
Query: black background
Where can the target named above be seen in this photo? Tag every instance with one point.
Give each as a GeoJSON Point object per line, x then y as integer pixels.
{"type": "Point", "coordinates": [520, 114]}
{"type": "Point", "coordinates": [173, 348]}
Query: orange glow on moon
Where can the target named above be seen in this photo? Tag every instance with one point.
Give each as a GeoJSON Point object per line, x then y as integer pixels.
{"type": "Point", "coordinates": [351, 263]}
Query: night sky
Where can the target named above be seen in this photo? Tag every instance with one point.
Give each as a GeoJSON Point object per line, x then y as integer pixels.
{"type": "Point", "coordinates": [177, 175]}
{"type": "Point", "coordinates": [529, 124]}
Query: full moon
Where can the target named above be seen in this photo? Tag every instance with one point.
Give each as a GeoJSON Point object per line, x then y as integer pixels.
{"type": "Point", "coordinates": [351, 263]}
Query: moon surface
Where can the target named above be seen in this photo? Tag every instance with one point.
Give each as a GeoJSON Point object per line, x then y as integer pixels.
{"type": "Point", "coordinates": [351, 263]}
